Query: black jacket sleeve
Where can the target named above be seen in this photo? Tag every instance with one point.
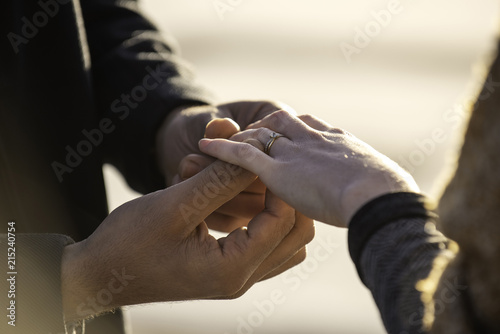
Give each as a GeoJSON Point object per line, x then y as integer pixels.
{"type": "Point", "coordinates": [393, 243]}
{"type": "Point", "coordinates": [138, 79]}
{"type": "Point", "coordinates": [31, 288]}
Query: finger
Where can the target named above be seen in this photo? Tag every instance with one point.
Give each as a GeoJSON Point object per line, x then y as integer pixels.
{"type": "Point", "coordinates": [262, 135]}
{"type": "Point", "coordinates": [293, 261]}
{"type": "Point", "coordinates": [192, 164]}
{"type": "Point", "coordinates": [301, 234]}
{"type": "Point", "coordinates": [246, 112]}
{"type": "Point", "coordinates": [284, 123]}
{"type": "Point", "coordinates": [220, 221]}
{"type": "Point", "coordinates": [257, 187]}
{"type": "Point", "coordinates": [244, 205]}
{"type": "Point", "coordinates": [319, 124]}
{"type": "Point", "coordinates": [265, 137]}
{"type": "Point", "coordinates": [290, 252]}
{"type": "Point", "coordinates": [245, 155]}
{"type": "Point", "coordinates": [223, 223]}
{"type": "Point", "coordinates": [221, 128]}
{"type": "Point", "coordinates": [175, 179]}
{"type": "Point", "coordinates": [203, 193]}
{"type": "Point", "coordinates": [296, 259]}
{"type": "Point", "coordinates": [248, 248]}
{"type": "Point", "coordinates": [315, 122]}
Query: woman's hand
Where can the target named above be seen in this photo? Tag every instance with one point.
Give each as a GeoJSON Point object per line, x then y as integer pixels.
{"type": "Point", "coordinates": [322, 171]}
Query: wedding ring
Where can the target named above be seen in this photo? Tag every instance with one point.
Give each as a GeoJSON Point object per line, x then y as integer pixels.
{"type": "Point", "coordinates": [271, 141]}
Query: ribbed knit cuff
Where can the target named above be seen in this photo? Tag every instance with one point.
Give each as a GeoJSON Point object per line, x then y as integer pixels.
{"type": "Point", "coordinates": [379, 212]}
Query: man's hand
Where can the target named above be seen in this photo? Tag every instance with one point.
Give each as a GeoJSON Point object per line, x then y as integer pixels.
{"type": "Point", "coordinates": [157, 247]}
{"type": "Point", "coordinates": [179, 157]}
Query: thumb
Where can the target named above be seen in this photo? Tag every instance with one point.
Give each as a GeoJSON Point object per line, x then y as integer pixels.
{"type": "Point", "coordinates": [206, 191]}
{"type": "Point", "coordinates": [221, 128]}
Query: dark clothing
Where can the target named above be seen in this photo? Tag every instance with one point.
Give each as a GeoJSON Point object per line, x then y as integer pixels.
{"type": "Point", "coordinates": [393, 243]}
{"type": "Point", "coordinates": [77, 92]}
{"type": "Point", "coordinates": [391, 240]}
{"type": "Point", "coordinates": [32, 293]}
{"type": "Point", "coordinates": [81, 84]}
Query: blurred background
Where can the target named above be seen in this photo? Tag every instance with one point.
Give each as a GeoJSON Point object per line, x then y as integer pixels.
{"type": "Point", "coordinates": [397, 74]}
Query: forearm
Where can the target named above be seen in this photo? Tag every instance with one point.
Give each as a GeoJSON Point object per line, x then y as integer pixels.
{"type": "Point", "coordinates": [393, 243]}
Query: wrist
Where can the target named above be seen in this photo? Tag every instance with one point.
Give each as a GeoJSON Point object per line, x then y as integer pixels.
{"type": "Point", "coordinates": [363, 191]}
{"type": "Point", "coordinates": [74, 289]}
{"type": "Point", "coordinates": [71, 291]}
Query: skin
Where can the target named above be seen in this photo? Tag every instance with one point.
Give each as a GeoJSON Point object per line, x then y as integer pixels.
{"type": "Point", "coordinates": [179, 157]}
{"type": "Point", "coordinates": [162, 243]}
{"type": "Point", "coordinates": [324, 172]}
{"type": "Point", "coordinates": [157, 248]}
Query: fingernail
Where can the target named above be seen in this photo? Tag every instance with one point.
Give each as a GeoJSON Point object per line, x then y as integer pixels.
{"type": "Point", "coordinates": [203, 143]}
{"type": "Point", "coordinates": [210, 122]}
{"type": "Point", "coordinates": [236, 125]}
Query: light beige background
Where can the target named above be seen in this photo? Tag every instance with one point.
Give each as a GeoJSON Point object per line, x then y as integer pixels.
{"type": "Point", "coordinates": [411, 81]}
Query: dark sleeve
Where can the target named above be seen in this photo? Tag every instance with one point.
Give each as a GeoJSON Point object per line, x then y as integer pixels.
{"type": "Point", "coordinates": [138, 79]}
{"type": "Point", "coordinates": [393, 242]}
{"type": "Point", "coordinates": [31, 288]}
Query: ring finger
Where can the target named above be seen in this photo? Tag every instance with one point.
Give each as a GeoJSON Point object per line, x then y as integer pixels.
{"type": "Point", "coordinates": [269, 141]}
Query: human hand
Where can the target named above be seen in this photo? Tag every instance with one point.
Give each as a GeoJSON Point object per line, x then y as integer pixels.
{"type": "Point", "coordinates": [180, 158]}
{"type": "Point", "coordinates": [157, 247]}
{"type": "Point", "coordinates": [322, 171]}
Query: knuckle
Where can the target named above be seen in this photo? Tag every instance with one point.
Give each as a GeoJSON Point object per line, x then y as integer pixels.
{"type": "Point", "coordinates": [284, 212]}
{"type": "Point", "coordinates": [314, 135]}
{"type": "Point", "coordinates": [279, 120]}
{"type": "Point", "coordinates": [287, 217]}
{"type": "Point", "coordinates": [261, 132]}
{"type": "Point", "coordinates": [244, 150]}
{"type": "Point", "coordinates": [281, 115]}
{"type": "Point", "coordinates": [304, 230]}
{"type": "Point", "coordinates": [219, 176]}
{"type": "Point", "coordinates": [255, 143]}
{"type": "Point", "coordinates": [307, 118]}
{"type": "Point", "coordinates": [338, 131]}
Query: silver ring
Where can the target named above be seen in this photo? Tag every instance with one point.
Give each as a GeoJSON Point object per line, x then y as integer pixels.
{"type": "Point", "coordinates": [271, 141]}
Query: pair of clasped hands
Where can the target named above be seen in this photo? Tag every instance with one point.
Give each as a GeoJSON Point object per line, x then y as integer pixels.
{"type": "Point", "coordinates": [265, 202]}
